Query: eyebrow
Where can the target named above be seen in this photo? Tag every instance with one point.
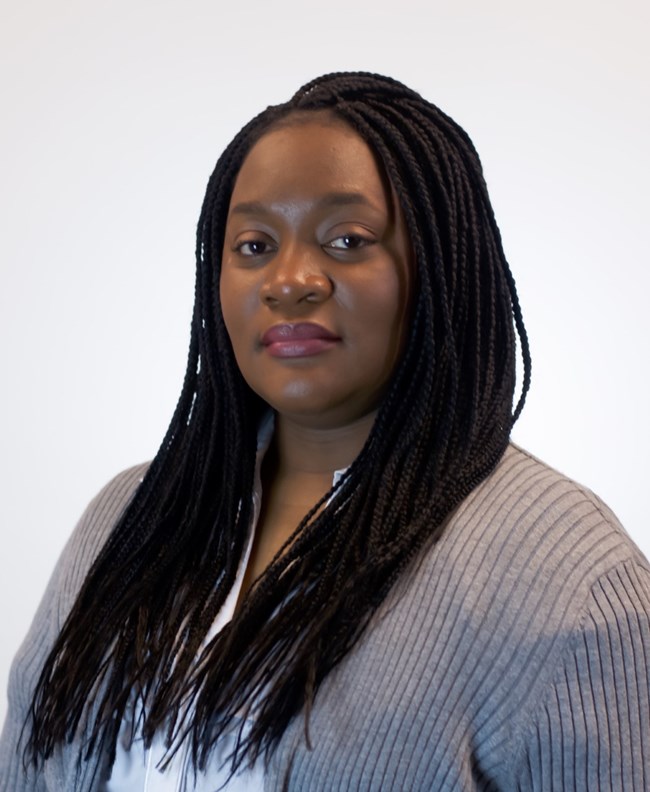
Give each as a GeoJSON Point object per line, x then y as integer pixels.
{"type": "Point", "coordinates": [330, 200]}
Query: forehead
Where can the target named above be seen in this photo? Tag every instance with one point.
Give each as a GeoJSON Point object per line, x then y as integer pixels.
{"type": "Point", "coordinates": [322, 154]}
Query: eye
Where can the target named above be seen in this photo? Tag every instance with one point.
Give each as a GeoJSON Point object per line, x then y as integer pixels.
{"type": "Point", "coordinates": [253, 247]}
{"type": "Point", "coordinates": [349, 242]}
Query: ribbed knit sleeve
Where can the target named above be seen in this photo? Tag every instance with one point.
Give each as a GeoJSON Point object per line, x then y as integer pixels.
{"type": "Point", "coordinates": [592, 730]}
{"type": "Point", "coordinates": [80, 551]}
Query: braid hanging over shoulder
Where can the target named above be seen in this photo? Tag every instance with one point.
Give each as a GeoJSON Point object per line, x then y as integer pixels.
{"type": "Point", "coordinates": [153, 592]}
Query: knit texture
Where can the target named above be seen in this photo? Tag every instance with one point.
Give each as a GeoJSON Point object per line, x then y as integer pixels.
{"type": "Point", "coordinates": [514, 654]}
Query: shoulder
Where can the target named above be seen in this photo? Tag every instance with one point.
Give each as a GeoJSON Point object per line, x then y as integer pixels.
{"type": "Point", "coordinates": [520, 555]}
{"type": "Point", "coordinates": [526, 549]}
{"type": "Point", "coordinates": [84, 544]}
{"type": "Point", "coordinates": [536, 518]}
{"type": "Point", "coordinates": [92, 531]}
{"type": "Point", "coordinates": [81, 549]}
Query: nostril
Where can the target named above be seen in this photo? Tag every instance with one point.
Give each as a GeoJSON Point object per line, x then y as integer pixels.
{"type": "Point", "coordinates": [309, 288]}
{"type": "Point", "coordinates": [314, 297]}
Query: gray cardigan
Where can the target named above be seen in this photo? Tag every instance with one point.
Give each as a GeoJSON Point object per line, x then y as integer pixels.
{"type": "Point", "coordinates": [514, 654]}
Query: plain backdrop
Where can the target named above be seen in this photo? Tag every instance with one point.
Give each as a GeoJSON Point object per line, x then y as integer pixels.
{"type": "Point", "coordinates": [113, 114]}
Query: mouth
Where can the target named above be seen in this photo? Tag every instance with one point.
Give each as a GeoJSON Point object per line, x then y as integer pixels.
{"type": "Point", "coordinates": [298, 340]}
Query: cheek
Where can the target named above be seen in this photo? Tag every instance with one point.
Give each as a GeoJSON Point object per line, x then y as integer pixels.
{"type": "Point", "coordinates": [387, 320]}
{"type": "Point", "coordinates": [237, 305]}
{"type": "Point", "coordinates": [379, 307]}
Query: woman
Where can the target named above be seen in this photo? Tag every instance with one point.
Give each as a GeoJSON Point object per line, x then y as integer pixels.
{"type": "Point", "coordinates": [337, 573]}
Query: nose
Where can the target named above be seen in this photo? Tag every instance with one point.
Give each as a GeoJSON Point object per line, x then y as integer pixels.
{"type": "Point", "coordinates": [295, 280]}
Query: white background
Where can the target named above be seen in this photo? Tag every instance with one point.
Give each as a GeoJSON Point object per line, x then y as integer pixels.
{"type": "Point", "coordinates": [113, 114]}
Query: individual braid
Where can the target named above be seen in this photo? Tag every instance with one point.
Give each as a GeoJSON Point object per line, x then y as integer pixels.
{"type": "Point", "coordinates": [157, 585]}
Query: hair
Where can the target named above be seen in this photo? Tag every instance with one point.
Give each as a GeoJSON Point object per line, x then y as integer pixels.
{"type": "Point", "coordinates": [139, 622]}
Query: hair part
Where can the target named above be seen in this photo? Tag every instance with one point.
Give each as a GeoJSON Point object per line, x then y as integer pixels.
{"type": "Point", "coordinates": [139, 621]}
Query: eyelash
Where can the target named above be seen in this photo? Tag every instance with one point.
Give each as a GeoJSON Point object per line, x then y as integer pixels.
{"type": "Point", "coordinates": [239, 248]}
{"type": "Point", "coordinates": [360, 242]}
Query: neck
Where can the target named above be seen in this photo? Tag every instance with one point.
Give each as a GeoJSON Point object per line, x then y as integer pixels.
{"type": "Point", "coordinates": [302, 449]}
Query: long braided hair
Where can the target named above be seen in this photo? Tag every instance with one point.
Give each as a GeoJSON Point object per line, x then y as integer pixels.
{"type": "Point", "coordinates": [140, 619]}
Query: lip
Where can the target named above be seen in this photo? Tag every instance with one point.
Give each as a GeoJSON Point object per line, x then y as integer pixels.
{"type": "Point", "coordinates": [303, 339]}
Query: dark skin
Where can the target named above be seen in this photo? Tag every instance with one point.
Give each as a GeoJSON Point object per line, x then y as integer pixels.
{"type": "Point", "coordinates": [297, 472]}
{"type": "Point", "coordinates": [314, 292]}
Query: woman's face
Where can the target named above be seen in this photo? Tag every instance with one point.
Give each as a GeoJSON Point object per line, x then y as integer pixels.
{"type": "Point", "coordinates": [315, 274]}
